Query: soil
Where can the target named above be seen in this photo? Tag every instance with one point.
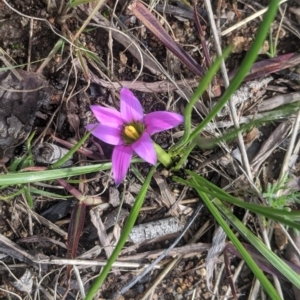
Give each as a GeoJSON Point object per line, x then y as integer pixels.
{"type": "Point", "coordinates": [72, 80]}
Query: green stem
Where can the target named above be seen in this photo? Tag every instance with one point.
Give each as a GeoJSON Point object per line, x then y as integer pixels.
{"type": "Point", "coordinates": [185, 155]}
{"type": "Point", "coordinates": [203, 84]}
{"type": "Point", "coordinates": [123, 238]}
{"type": "Point", "coordinates": [245, 67]}
{"type": "Point", "coordinates": [70, 152]}
{"type": "Point", "coordinates": [235, 83]}
{"type": "Point", "coordinates": [163, 156]}
{"type": "Point", "coordinates": [244, 253]}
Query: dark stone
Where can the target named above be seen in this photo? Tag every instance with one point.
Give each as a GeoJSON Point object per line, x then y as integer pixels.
{"type": "Point", "coordinates": [20, 99]}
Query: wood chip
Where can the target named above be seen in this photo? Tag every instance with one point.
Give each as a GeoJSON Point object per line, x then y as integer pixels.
{"type": "Point", "coordinates": [103, 237]}
{"type": "Point", "coordinates": [155, 229]}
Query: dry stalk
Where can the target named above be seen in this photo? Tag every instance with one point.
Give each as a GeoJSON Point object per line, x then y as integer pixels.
{"type": "Point", "coordinates": [248, 19]}
{"type": "Point", "coordinates": [226, 82]}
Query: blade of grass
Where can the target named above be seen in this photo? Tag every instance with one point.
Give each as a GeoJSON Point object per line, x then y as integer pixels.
{"type": "Point", "coordinates": [49, 194]}
{"type": "Point", "coordinates": [74, 3]}
{"type": "Point", "coordinates": [204, 83]}
{"type": "Point", "coordinates": [28, 196]}
{"type": "Point", "coordinates": [245, 67]}
{"type": "Point", "coordinates": [238, 78]}
{"type": "Point", "coordinates": [59, 45]}
{"type": "Point", "coordinates": [123, 238]}
{"type": "Point", "coordinates": [263, 263]}
{"type": "Point", "coordinates": [280, 265]}
{"type": "Point", "coordinates": [28, 177]}
{"type": "Point", "coordinates": [89, 18]}
{"type": "Point", "coordinates": [244, 253]}
{"type": "Point", "coordinates": [3, 69]}
{"type": "Point", "coordinates": [211, 188]}
{"type": "Point", "coordinates": [282, 112]}
{"type": "Point", "coordinates": [279, 215]}
{"type": "Point", "coordinates": [70, 153]}
{"type": "Point", "coordinates": [15, 163]}
{"type": "Point", "coordinates": [12, 195]}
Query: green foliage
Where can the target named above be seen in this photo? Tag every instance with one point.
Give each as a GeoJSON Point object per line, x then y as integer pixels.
{"type": "Point", "coordinates": [74, 3]}
{"type": "Point", "coordinates": [246, 256]}
{"type": "Point", "coordinates": [186, 145]}
{"type": "Point", "coordinates": [276, 195]}
{"type": "Point", "coordinates": [274, 41]}
{"type": "Point", "coordinates": [123, 238]}
{"type": "Point", "coordinates": [213, 196]}
{"type": "Point", "coordinates": [235, 82]}
{"type": "Point", "coordinates": [26, 160]}
{"type": "Point", "coordinates": [18, 46]}
{"type": "Point", "coordinates": [273, 46]}
{"type": "Point", "coordinates": [279, 215]}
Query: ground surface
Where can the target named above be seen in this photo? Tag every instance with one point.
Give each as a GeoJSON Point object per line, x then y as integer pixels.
{"type": "Point", "coordinates": [73, 79]}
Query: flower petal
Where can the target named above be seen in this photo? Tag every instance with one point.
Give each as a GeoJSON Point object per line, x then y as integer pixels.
{"type": "Point", "coordinates": [120, 162]}
{"type": "Point", "coordinates": [107, 116]}
{"type": "Point", "coordinates": [144, 147]}
{"type": "Point", "coordinates": [108, 134]}
{"type": "Point", "coordinates": [131, 108]}
{"type": "Point", "coordinates": [161, 120]}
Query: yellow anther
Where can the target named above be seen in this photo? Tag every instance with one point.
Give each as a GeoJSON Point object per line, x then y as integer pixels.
{"type": "Point", "coordinates": [131, 132]}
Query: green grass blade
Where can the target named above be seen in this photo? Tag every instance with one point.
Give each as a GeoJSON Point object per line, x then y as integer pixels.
{"type": "Point", "coordinates": [28, 196]}
{"type": "Point", "coordinates": [49, 194]}
{"type": "Point", "coordinates": [123, 238]}
{"type": "Point", "coordinates": [238, 78]}
{"type": "Point", "coordinates": [204, 83]}
{"type": "Point", "coordinates": [246, 256]}
{"type": "Point", "coordinates": [283, 112]}
{"type": "Point", "coordinates": [268, 212]}
{"type": "Point", "coordinates": [70, 153]}
{"type": "Point", "coordinates": [29, 177]}
{"type": "Point", "coordinates": [280, 215]}
{"type": "Point", "coordinates": [280, 265]}
{"type": "Point", "coordinates": [74, 3]}
{"type": "Point", "coordinates": [3, 69]}
{"type": "Point", "coordinates": [12, 195]}
{"type": "Point", "coordinates": [245, 67]}
{"type": "Point", "coordinates": [15, 163]}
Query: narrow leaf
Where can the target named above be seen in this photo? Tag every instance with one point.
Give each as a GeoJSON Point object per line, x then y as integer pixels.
{"type": "Point", "coordinates": [246, 256]}
{"type": "Point", "coordinates": [278, 263]}
{"type": "Point", "coordinates": [127, 228]}
{"type": "Point", "coordinates": [244, 68]}
{"type": "Point", "coordinates": [28, 177]}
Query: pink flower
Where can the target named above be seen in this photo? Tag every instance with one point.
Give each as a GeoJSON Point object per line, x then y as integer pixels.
{"type": "Point", "coordinates": [129, 131]}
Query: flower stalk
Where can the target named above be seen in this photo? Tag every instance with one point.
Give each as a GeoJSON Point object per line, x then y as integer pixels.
{"type": "Point", "coordinates": [163, 156]}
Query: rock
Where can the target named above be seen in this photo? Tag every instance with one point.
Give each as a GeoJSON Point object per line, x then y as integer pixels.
{"type": "Point", "coordinates": [20, 98]}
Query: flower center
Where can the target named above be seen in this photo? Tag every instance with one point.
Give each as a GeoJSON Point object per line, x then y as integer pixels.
{"type": "Point", "coordinates": [132, 132]}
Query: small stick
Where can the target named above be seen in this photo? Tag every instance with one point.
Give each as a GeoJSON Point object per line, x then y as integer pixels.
{"type": "Point", "coordinates": [202, 38]}
{"type": "Point", "coordinates": [29, 45]}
